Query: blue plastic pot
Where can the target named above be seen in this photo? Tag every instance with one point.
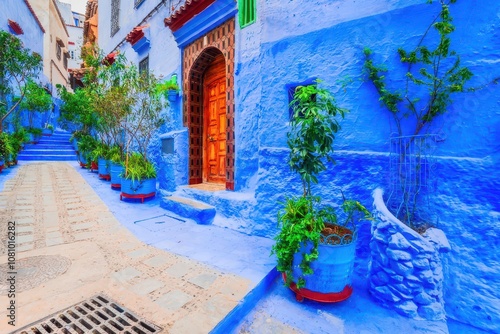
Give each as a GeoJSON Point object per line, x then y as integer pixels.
{"type": "Point", "coordinates": [102, 166]}
{"type": "Point", "coordinates": [138, 187]}
{"type": "Point", "coordinates": [46, 132]}
{"type": "Point", "coordinates": [115, 170]}
{"type": "Point", "coordinates": [332, 270]}
{"type": "Point", "coordinates": [82, 158]}
{"type": "Point", "coordinates": [75, 144]}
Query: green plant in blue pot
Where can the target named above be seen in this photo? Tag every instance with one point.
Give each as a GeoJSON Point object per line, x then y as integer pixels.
{"type": "Point", "coordinates": [316, 245]}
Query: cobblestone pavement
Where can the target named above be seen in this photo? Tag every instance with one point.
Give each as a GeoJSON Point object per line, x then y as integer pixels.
{"type": "Point", "coordinates": [69, 247]}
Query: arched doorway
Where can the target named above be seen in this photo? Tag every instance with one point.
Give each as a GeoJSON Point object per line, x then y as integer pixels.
{"type": "Point", "coordinates": [208, 62]}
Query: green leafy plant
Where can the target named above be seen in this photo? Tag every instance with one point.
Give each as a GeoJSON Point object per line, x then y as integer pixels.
{"type": "Point", "coordinates": [34, 131]}
{"type": "Point", "coordinates": [138, 168]}
{"type": "Point", "coordinates": [312, 131]}
{"type": "Point", "coordinates": [167, 85]}
{"type": "Point", "coordinates": [86, 145]}
{"type": "Point", "coordinates": [17, 65]}
{"type": "Point", "coordinates": [101, 150]}
{"type": "Point", "coordinates": [6, 148]}
{"type": "Point", "coordinates": [17, 140]}
{"type": "Point", "coordinates": [433, 75]}
{"type": "Point", "coordinates": [303, 219]}
{"type": "Point", "coordinates": [116, 154]}
{"type": "Point", "coordinates": [36, 99]}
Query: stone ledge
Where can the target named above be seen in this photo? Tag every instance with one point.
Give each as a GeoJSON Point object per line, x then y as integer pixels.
{"type": "Point", "coordinates": [200, 212]}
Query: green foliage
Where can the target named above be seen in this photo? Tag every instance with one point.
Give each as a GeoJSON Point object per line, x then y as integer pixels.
{"type": "Point", "coordinates": [34, 131]}
{"type": "Point", "coordinates": [86, 145]}
{"type": "Point", "coordinates": [6, 148]}
{"type": "Point", "coordinates": [313, 128]}
{"type": "Point", "coordinates": [36, 99]}
{"type": "Point", "coordinates": [146, 115]}
{"type": "Point", "coordinates": [101, 150]}
{"type": "Point", "coordinates": [76, 109]}
{"type": "Point", "coordinates": [17, 65]}
{"type": "Point", "coordinates": [302, 220]}
{"type": "Point", "coordinates": [433, 75]}
{"type": "Point", "coordinates": [167, 85]}
{"type": "Point", "coordinates": [120, 104]}
{"type": "Point", "coordinates": [116, 154]}
{"type": "Point", "coordinates": [137, 167]}
{"type": "Point", "coordinates": [438, 69]}
{"type": "Point", "coordinates": [17, 140]}
{"type": "Point", "coordinates": [312, 131]}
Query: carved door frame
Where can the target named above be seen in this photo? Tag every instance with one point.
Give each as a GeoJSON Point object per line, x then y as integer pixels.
{"type": "Point", "coordinates": [197, 56]}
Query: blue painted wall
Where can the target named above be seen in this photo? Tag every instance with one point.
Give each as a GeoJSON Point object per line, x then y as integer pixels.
{"type": "Point", "coordinates": [307, 39]}
{"type": "Point", "coordinates": [32, 35]}
{"type": "Point", "coordinates": [296, 42]}
{"type": "Point", "coordinates": [17, 11]}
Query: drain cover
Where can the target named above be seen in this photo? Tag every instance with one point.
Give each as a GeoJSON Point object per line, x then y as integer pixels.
{"type": "Point", "coordinates": [97, 315]}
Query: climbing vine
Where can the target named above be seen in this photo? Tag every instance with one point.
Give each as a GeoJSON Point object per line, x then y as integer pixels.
{"type": "Point", "coordinates": [438, 69]}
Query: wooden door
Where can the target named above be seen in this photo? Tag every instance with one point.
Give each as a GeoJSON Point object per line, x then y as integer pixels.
{"type": "Point", "coordinates": [215, 122]}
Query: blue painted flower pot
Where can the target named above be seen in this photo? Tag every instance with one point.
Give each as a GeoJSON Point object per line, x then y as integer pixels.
{"type": "Point", "coordinates": [46, 132]}
{"type": "Point", "coordinates": [75, 144]}
{"type": "Point", "coordinates": [34, 138]}
{"type": "Point", "coordinates": [82, 159]}
{"type": "Point", "coordinates": [172, 95]}
{"type": "Point", "coordinates": [332, 270]}
{"type": "Point", "coordinates": [115, 171]}
{"type": "Point", "coordinates": [138, 188]}
{"type": "Point", "coordinates": [2, 162]}
{"type": "Point", "coordinates": [103, 166]}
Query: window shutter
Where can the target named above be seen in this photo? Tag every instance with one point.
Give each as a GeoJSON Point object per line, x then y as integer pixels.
{"type": "Point", "coordinates": [247, 12]}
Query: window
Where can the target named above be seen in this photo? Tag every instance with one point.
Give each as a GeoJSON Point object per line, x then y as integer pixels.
{"type": "Point", "coordinates": [76, 22]}
{"type": "Point", "coordinates": [291, 91]}
{"type": "Point", "coordinates": [115, 16]}
{"type": "Point", "coordinates": [144, 66]}
{"type": "Point", "coordinates": [247, 12]}
{"type": "Point", "coordinates": [65, 61]}
{"type": "Point", "coordinates": [137, 3]}
{"type": "Point", "coordinates": [72, 54]}
{"type": "Point", "coordinates": [58, 51]}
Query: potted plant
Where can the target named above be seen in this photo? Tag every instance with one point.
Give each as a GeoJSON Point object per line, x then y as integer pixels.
{"type": "Point", "coordinates": [404, 241]}
{"type": "Point", "coordinates": [116, 166]}
{"type": "Point", "coordinates": [34, 134]}
{"type": "Point", "coordinates": [101, 154]}
{"type": "Point", "coordinates": [169, 88]}
{"type": "Point", "coordinates": [75, 137]}
{"type": "Point", "coordinates": [86, 144]}
{"type": "Point", "coordinates": [315, 247]}
{"type": "Point", "coordinates": [138, 178]}
{"type": "Point", "coordinates": [20, 137]}
{"type": "Point", "coordinates": [36, 100]}
{"type": "Point", "coordinates": [5, 149]}
{"type": "Point", "coordinates": [48, 130]}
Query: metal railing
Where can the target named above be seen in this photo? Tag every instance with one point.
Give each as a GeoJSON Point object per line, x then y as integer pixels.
{"type": "Point", "coordinates": [411, 179]}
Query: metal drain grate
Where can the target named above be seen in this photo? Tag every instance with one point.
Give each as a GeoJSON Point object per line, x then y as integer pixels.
{"type": "Point", "coordinates": [97, 315]}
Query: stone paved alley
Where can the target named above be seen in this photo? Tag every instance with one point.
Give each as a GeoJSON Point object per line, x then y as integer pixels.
{"type": "Point", "coordinates": [71, 247]}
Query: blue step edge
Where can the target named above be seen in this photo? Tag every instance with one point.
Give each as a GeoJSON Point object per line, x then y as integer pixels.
{"type": "Point", "coordinates": [247, 304]}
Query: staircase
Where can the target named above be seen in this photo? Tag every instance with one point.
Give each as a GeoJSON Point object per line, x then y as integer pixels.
{"type": "Point", "coordinates": [50, 148]}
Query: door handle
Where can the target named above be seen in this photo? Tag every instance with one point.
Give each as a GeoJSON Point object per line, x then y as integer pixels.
{"type": "Point", "coordinates": [210, 138]}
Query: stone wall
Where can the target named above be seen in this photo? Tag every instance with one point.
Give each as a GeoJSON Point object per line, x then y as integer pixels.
{"type": "Point", "coordinates": [406, 272]}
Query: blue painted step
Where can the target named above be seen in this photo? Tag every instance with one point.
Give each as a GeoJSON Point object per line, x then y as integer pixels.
{"type": "Point", "coordinates": [47, 157]}
{"type": "Point", "coordinates": [48, 147]}
{"type": "Point", "coordinates": [56, 147]}
{"type": "Point", "coordinates": [200, 212]}
{"type": "Point", "coordinates": [48, 152]}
